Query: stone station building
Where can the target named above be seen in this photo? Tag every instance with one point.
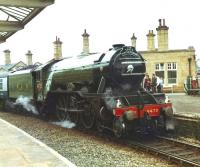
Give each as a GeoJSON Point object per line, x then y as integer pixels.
{"type": "Point", "coordinates": [172, 65]}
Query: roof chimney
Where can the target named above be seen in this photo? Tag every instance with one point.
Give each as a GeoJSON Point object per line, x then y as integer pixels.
{"type": "Point", "coordinates": [57, 49]}
{"type": "Point", "coordinates": [160, 22]}
{"type": "Point", "coordinates": [85, 36]}
{"type": "Point", "coordinates": [162, 35]}
{"type": "Point", "coordinates": [150, 40]}
{"type": "Point", "coordinates": [7, 57]}
{"type": "Point", "coordinates": [29, 58]}
{"type": "Point", "coordinates": [163, 22]}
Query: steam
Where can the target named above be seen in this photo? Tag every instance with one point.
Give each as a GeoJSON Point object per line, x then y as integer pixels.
{"type": "Point", "coordinates": [174, 110]}
{"type": "Point", "coordinates": [49, 82]}
{"type": "Point", "coordinates": [65, 124]}
{"type": "Point", "coordinates": [84, 89]}
{"type": "Point", "coordinates": [126, 87]}
{"type": "Point", "coordinates": [109, 99]}
{"type": "Point", "coordinates": [170, 125]}
{"type": "Point", "coordinates": [26, 103]}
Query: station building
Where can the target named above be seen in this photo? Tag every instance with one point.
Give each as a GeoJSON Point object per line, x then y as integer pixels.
{"type": "Point", "coordinates": [172, 65]}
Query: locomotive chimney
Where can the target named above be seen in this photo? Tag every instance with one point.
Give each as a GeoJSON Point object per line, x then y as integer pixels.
{"type": "Point", "coordinates": [133, 41]}
{"type": "Point", "coordinates": [29, 58]}
{"type": "Point", "coordinates": [150, 40]}
{"type": "Point", "coordinates": [85, 36]}
{"type": "Point", "coordinates": [7, 57]}
{"type": "Point", "coordinates": [57, 49]}
{"type": "Point", "coordinates": [162, 35]}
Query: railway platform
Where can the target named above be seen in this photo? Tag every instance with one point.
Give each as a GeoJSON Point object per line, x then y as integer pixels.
{"type": "Point", "coordinates": [185, 105]}
{"type": "Point", "coordinates": [19, 149]}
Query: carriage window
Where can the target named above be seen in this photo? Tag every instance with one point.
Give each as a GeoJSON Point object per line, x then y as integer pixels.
{"type": "Point", "coordinates": [1, 84]}
{"type": "Point", "coordinates": [38, 76]}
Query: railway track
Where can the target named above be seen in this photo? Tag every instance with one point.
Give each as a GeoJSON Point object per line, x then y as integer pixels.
{"type": "Point", "coordinates": [178, 152]}
{"type": "Point", "coordinates": [181, 153]}
{"type": "Point", "coordinates": [187, 118]}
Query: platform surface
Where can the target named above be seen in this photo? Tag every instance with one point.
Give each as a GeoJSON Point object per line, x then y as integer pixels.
{"type": "Point", "coordinates": [185, 105]}
{"type": "Point", "coordinates": [19, 149]}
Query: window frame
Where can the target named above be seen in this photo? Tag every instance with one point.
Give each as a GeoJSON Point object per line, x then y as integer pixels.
{"type": "Point", "coordinates": [172, 66]}
{"type": "Point", "coordinates": [1, 84]}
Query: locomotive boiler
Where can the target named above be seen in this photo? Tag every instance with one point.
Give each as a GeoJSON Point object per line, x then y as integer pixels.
{"type": "Point", "coordinates": [96, 90]}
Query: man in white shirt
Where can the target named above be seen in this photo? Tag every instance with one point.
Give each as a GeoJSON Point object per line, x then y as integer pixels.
{"type": "Point", "coordinates": [159, 84]}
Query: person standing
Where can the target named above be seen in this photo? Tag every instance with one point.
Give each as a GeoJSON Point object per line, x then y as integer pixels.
{"type": "Point", "coordinates": [147, 83]}
{"type": "Point", "coordinates": [159, 84]}
{"type": "Point", "coordinates": [154, 83]}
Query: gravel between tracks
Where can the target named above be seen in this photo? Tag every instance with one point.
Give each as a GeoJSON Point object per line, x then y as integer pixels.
{"type": "Point", "coordinates": [82, 149]}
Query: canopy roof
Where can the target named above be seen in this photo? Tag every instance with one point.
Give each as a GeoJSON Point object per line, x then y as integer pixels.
{"type": "Point", "coordinates": [15, 14]}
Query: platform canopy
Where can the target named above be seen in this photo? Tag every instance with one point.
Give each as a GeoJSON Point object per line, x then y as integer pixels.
{"type": "Point", "coordinates": [15, 14]}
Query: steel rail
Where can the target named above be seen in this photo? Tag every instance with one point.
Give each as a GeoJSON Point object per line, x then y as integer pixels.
{"type": "Point", "coordinates": [169, 148]}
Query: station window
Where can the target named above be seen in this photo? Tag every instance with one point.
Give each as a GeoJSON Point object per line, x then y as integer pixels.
{"type": "Point", "coordinates": [172, 73]}
{"type": "Point", "coordinates": [159, 69]}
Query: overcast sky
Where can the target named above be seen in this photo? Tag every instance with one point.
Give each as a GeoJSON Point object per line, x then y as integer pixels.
{"type": "Point", "coordinates": [107, 22]}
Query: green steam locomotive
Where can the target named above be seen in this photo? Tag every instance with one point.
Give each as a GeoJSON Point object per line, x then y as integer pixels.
{"type": "Point", "coordinates": [102, 90]}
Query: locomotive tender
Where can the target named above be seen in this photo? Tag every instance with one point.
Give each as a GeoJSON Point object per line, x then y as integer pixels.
{"type": "Point", "coordinates": [102, 90]}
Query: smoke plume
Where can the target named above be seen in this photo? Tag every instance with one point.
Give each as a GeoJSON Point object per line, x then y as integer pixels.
{"type": "Point", "coordinates": [26, 103]}
{"type": "Point", "coordinates": [109, 99]}
{"type": "Point", "coordinates": [65, 124]}
{"type": "Point", "coordinates": [170, 125]}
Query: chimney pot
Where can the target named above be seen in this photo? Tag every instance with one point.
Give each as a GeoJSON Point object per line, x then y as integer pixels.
{"type": "Point", "coordinates": [163, 22]}
{"type": "Point", "coordinates": [160, 22]}
{"type": "Point", "coordinates": [29, 58]}
{"type": "Point", "coordinates": [85, 42]}
{"type": "Point", "coordinates": [7, 56]}
{"type": "Point", "coordinates": [57, 49]}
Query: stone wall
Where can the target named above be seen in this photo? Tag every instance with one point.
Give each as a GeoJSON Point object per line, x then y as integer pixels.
{"type": "Point", "coordinates": [180, 57]}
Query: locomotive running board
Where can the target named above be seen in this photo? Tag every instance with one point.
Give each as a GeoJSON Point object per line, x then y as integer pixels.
{"type": "Point", "coordinates": [128, 74]}
{"type": "Point", "coordinates": [74, 110]}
